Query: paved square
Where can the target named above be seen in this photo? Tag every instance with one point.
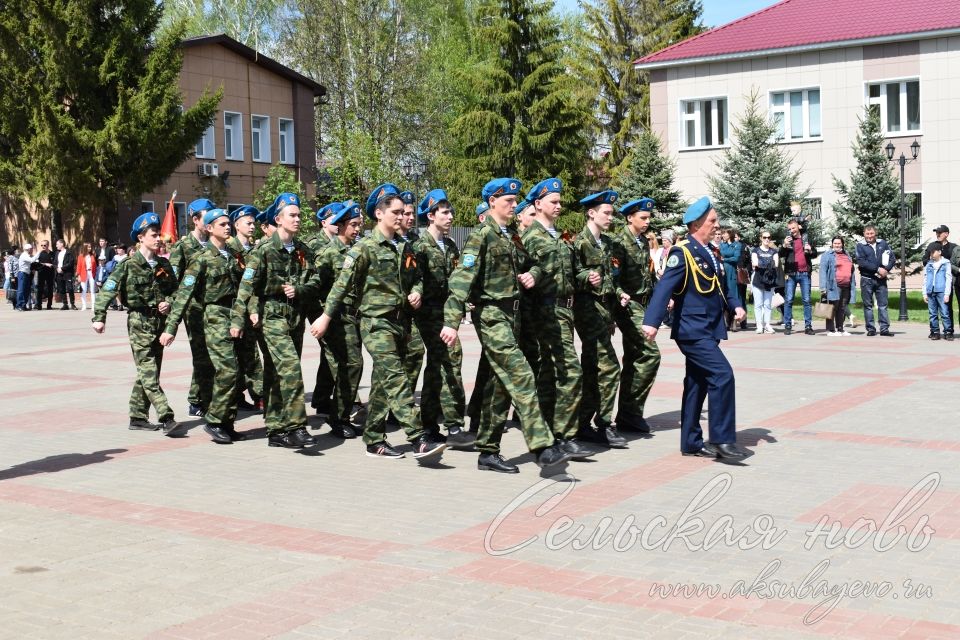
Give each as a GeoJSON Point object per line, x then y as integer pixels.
{"type": "Point", "coordinates": [845, 521]}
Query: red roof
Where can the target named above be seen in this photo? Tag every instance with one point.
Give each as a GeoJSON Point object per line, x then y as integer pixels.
{"type": "Point", "coordinates": [800, 23]}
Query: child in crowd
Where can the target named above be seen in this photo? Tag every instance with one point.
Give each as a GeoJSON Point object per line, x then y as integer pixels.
{"type": "Point", "coordinates": [937, 285]}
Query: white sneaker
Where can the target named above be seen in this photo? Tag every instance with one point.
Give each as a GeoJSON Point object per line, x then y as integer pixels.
{"type": "Point", "coordinates": [834, 333]}
{"type": "Point", "coordinates": [846, 333]}
{"type": "Point", "coordinates": [768, 329]}
{"type": "Point", "coordinates": [759, 329]}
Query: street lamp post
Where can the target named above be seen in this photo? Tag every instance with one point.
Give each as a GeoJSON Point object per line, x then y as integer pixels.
{"type": "Point", "coordinates": [902, 161]}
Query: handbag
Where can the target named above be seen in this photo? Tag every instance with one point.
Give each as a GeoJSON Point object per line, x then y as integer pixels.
{"type": "Point", "coordinates": [743, 276]}
{"type": "Point", "coordinates": [776, 301]}
{"type": "Point", "coordinates": [823, 310]}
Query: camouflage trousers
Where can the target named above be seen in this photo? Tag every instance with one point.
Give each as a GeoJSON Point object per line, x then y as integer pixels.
{"type": "Point", "coordinates": [442, 392]}
{"type": "Point", "coordinates": [599, 362]}
{"type": "Point", "coordinates": [200, 391]}
{"type": "Point", "coordinates": [385, 339]}
{"type": "Point", "coordinates": [511, 379]}
{"type": "Point", "coordinates": [227, 381]}
{"type": "Point", "coordinates": [641, 359]}
{"type": "Point", "coordinates": [323, 386]}
{"type": "Point", "coordinates": [144, 333]}
{"type": "Point", "coordinates": [251, 367]}
{"type": "Point", "coordinates": [282, 333]}
{"type": "Point", "coordinates": [559, 375]}
{"type": "Point", "coordinates": [413, 361]}
{"type": "Point", "coordinates": [345, 362]}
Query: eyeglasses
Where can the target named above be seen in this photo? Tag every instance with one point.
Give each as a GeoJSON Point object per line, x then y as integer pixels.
{"type": "Point", "coordinates": [764, 237]}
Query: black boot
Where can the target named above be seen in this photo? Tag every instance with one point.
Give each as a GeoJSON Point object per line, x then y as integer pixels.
{"type": "Point", "coordinates": [218, 434]}
{"type": "Point", "coordinates": [495, 462]}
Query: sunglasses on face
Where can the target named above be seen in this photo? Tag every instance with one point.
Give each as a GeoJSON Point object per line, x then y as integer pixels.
{"type": "Point", "coordinates": [764, 237]}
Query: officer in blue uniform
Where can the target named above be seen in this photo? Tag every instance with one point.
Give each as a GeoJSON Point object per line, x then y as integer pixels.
{"type": "Point", "coordinates": [692, 279]}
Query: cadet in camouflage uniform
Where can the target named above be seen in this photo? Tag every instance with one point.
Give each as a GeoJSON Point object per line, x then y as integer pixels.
{"type": "Point", "coordinates": [213, 277]}
{"type": "Point", "coordinates": [490, 276]}
{"type": "Point", "coordinates": [342, 340]}
{"type": "Point", "coordinates": [382, 271]}
{"type": "Point", "coordinates": [481, 389]}
{"type": "Point", "coordinates": [323, 386]}
{"type": "Point", "coordinates": [180, 255]}
{"type": "Point", "coordinates": [593, 317]}
{"type": "Point", "coordinates": [437, 257]}
{"type": "Point", "coordinates": [633, 280]}
{"type": "Point", "coordinates": [251, 368]}
{"type": "Point", "coordinates": [280, 273]}
{"type": "Point", "coordinates": [145, 284]}
{"type": "Point", "coordinates": [558, 367]}
{"type": "Point", "coordinates": [415, 347]}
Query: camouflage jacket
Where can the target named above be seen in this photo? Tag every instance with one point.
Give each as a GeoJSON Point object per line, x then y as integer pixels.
{"type": "Point", "coordinates": [138, 285]}
{"type": "Point", "coordinates": [269, 267]}
{"type": "Point", "coordinates": [380, 274]}
{"type": "Point", "coordinates": [182, 252]}
{"type": "Point", "coordinates": [488, 270]}
{"type": "Point", "coordinates": [552, 259]}
{"type": "Point", "coordinates": [591, 256]}
{"type": "Point", "coordinates": [211, 278]}
{"type": "Point", "coordinates": [329, 263]}
{"type": "Point", "coordinates": [632, 268]}
{"type": "Point", "coordinates": [436, 266]}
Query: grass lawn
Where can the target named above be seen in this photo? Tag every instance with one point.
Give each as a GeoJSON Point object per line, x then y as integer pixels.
{"type": "Point", "coordinates": [916, 307]}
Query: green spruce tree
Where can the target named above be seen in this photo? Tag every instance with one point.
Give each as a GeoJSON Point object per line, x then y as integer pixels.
{"type": "Point", "coordinates": [756, 180]}
{"type": "Point", "coordinates": [281, 179]}
{"type": "Point", "coordinates": [649, 173]}
{"type": "Point", "coordinates": [873, 194]}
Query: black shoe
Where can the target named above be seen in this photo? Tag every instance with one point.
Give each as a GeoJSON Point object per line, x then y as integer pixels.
{"type": "Point", "coordinates": [283, 439]}
{"type": "Point", "coordinates": [935, 336]}
{"type": "Point", "coordinates": [383, 450]}
{"type": "Point", "coordinates": [577, 450]}
{"type": "Point", "coordinates": [871, 332]}
{"type": "Point", "coordinates": [64, 308]}
{"type": "Point", "coordinates": [303, 437]}
{"type": "Point", "coordinates": [460, 438]}
{"type": "Point", "coordinates": [235, 435]}
{"type": "Point", "coordinates": [243, 405]}
{"type": "Point", "coordinates": [344, 431]}
{"type": "Point", "coordinates": [139, 424]}
{"type": "Point", "coordinates": [727, 451]}
{"type": "Point", "coordinates": [948, 337]}
{"type": "Point", "coordinates": [614, 439]}
{"type": "Point", "coordinates": [808, 331]}
{"type": "Point", "coordinates": [632, 422]}
{"type": "Point", "coordinates": [217, 433]}
{"type": "Point", "coordinates": [787, 331]}
{"type": "Point", "coordinates": [426, 449]}
{"type": "Point", "coordinates": [886, 332]}
{"type": "Point", "coordinates": [495, 462]}
{"type": "Point", "coordinates": [552, 456]}
{"type": "Point", "coordinates": [706, 452]}
{"type": "Point", "coordinates": [172, 428]}
{"type": "Point", "coordinates": [195, 410]}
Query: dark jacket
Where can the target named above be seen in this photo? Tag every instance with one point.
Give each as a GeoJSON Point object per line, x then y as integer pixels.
{"type": "Point", "coordinates": [869, 259]}
{"type": "Point", "coordinates": [789, 260]}
{"type": "Point", "coordinates": [43, 258]}
{"type": "Point", "coordinates": [948, 248]}
{"type": "Point", "coordinates": [69, 263]}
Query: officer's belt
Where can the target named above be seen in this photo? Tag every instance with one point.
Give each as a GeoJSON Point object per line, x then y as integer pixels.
{"type": "Point", "coordinates": [150, 312]}
{"type": "Point", "coordinates": [641, 300]}
{"type": "Point", "coordinates": [510, 305]}
{"type": "Point", "coordinates": [564, 303]}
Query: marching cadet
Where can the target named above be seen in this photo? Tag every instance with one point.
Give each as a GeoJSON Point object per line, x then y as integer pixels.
{"type": "Point", "coordinates": [490, 276]}
{"type": "Point", "coordinates": [437, 256]}
{"type": "Point", "coordinates": [213, 277]}
{"type": "Point", "coordinates": [268, 223]}
{"type": "Point", "coordinates": [145, 283]}
{"type": "Point", "coordinates": [633, 280]}
{"type": "Point", "coordinates": [526, 214]}
{"type": "Point", "coordinates": [480, 388]}
{"type": "Point", "coordinates": [342, 340]}
{"type": "Point", "coordinates": [415, 347]}
{"type": "Point", "coordinates": [180, 255]}
{"type": "Point", "coordinates": [280, 272]}
{"type": "Point", "coordinates": [323, 387]}
{"type": "Point", "coordinates": [529, 310]}
{"type": "Point", "coordinates": [381, 270]}
{"type": "Point", "coordinates": [558, 367]}
{"type": "Point", "coordinates": [593, 317]}
{"type": "Point", "coordinates": [251, 368]}
{"type": "Point", "coordinates": [692, 279]}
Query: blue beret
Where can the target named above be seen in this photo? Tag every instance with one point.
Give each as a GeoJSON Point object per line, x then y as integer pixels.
{"type": "Point", "coordinates": [697, 209]}
{"type": "Point", "coordinates": [431, 201]}
{"type": "Point", "coordinates": [500, 187]}
{"type": "Point", "coordinates": [482, 208]}
{"type": "Point", "coordinates": [348, 211]}
{"type": "Point", "coordinates": [597, 199]}
{"type": "Point", "coordinates": [198, 205]}
{"type": "Point", "coordinates": [329, 210]}
{"type": "Point", "coordinates": [244, 210]}
{"type": "Point", "coordinates": [523, 204]}
{"type": "Point", "coordinates": [212, 214]}
{"type": "Point", "coordinates": [142, 223]}
{"type": "Point", "coordinates": [643, 204]}
{"type": "Point", "coordinates": [544, 187]}
{"type": "Point", "coordinates": [267, 216]}
{"type": "Point", "coordinates": [282, 201]}
{"type": "Point", "coordinates": [377, 195]}
{"type": "Point", "coordinates": [407, 197]}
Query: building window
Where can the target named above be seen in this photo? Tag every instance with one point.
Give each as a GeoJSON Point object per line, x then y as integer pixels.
{"type": "Point", "coordinates": [286, 141]}
{"type": "Point", "coordinates": [146, 206]}
{"type": "Point", "coordinates": [703, 123]}
{"type": "Point", "coordinates": [914, 206]}
{"type": "Point", "coordinates": [205, 144]}
{"type": "Point", "coordinates": [898, 103]}
{"type": "Point", "coordinates": [232, 136]}
{"type": "Point", "coordinates": [233, 207]}
{"type": "Point", "coordinates": [812, 208]}
{"type": "Point", "coordinates": [796, 114]}
{"type": "Point", "coordinates": [260, 138]}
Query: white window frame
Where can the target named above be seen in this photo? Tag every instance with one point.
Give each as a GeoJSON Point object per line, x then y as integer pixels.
{"type": "Point", "coordinates": [211, 135]}
{"type": "Point", "coordinates": [805, 114]}
{"type": "Point", "coordinates": [881, 102]}
{"type": "Point", "coordinates": [288, 149]}
{"type": "Point", "coordinates": [234, 133]}
{"type": "Point", "coordinates": [257, 151]}
{"type": "Point", "coordinates": [695, 116]}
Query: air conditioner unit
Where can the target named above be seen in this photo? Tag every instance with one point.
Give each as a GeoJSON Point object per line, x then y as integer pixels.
{"type": "Point", "coordinates": [208, 169]}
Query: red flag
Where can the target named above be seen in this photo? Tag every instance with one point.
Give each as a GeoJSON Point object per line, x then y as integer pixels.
{"type": "Point", "coordinates": [168, 230]}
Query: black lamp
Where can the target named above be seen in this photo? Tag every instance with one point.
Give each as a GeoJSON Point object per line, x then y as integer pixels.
{"type": "Point", "coordinates": [890, 149]}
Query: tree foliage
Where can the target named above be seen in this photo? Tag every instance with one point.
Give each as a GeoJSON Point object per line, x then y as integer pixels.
{"type": "Point", "coordinates": [255, 23]}
{"type": "Point", "coordinates": [755, 180]}
{"type": "Point", "coordinates": [281, 179]}
{"type": "Point", "coordinates": [649, 173]}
